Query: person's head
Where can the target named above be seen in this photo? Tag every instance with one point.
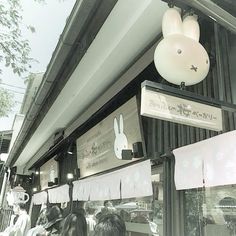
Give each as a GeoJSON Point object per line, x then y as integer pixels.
{"type": "Point", "coordinates": [19, 207]}
{"type": "Point", "coordinates": [227, 206]}
{"type": "Point", "coordinates": [90, 211]}
{"type": "Point", "coordinates": [110, 225]}
{"type": "Point", "coordinates": [74, 225]}
{"type": "Point", "coordinates": [107, 203]}
{"type": "Point", "coordinates": [54, 218]}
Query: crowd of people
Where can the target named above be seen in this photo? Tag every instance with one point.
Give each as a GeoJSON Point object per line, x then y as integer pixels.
{"type": "Point", "coordinates": [51, 223]}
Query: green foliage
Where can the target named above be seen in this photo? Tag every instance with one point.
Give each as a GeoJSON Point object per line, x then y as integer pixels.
{"type": "Point", "coordinates": [6, 102]}
{"type": "Point", "coordinates": [14, 49]}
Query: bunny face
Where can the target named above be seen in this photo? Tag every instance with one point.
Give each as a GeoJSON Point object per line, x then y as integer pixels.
{"type": "Point", "coordinates": [187, 61]}
{"type": "Point", "coordinates": [179, 57]}
{"type": "Point", "coordinates": [121, 141]}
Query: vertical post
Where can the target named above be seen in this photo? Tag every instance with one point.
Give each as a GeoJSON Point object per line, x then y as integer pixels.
{"type": "Point", "coordinates": [4, 183]}
{"type": "Point", "coordinates": [219, 63]}
{"type": "Point", "coordinates": [173, 201]}
{"type": "Point", "coordinates": [167, 222]}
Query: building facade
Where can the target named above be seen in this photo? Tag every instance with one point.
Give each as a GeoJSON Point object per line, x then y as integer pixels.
{"type": "Point", "coordinates": [85, 131]}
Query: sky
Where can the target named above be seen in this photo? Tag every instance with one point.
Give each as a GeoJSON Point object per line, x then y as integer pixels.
{"type": "Point", "coordinates": [48, 19]}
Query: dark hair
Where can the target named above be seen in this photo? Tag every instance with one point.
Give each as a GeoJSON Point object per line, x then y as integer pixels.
{"type": "Point", "coordinates": [74, 225]}
{"type": "Point", "coordinates": [111, 224]}
{"type": "Point", "coordinates": [22, 206]}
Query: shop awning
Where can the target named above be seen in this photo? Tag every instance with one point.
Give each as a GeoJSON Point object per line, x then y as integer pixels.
{"type": "Point", "coordinates": [59, 194]}
{"type": "Point", "coordinates": [40, 198]}
{"type": "Point", "coordinates": [129, 182]}
{"type": "Point", "coordinates": [208, 163]}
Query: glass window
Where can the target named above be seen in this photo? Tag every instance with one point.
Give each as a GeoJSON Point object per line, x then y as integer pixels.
{"type": "Point", "coordinates": [142, 216]}
{"type": "Point", "coordinates": [211, 211]}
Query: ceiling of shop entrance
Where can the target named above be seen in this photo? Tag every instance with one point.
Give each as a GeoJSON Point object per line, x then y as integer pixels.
{"type": "Point", "coordinates": [130, 28]}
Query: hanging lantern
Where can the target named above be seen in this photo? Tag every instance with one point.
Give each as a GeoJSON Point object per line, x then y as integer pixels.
{"type": "Point", "coordinates": [179, 57]}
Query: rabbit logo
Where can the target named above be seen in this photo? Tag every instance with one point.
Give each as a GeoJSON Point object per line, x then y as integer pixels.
{"type": "Point", "coordinates": [179, 57]}
{"type": "Point", "coordinates": [121, 141]}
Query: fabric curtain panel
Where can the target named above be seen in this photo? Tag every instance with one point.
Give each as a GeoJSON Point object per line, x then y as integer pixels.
{"type": "Point", "coordinates": [220, 160]}
{"type": "Point", "coordinates": [81, 190]}
{"type": "Point", "coordinates": [59, 194]}
{"type": "Point", "coordinates": [40, 198]}
{"type": "Point", "coordinates": [211, 162]}
{"type": "Point", "coordinates": [188, 167]}
{"type": "Point", "coordinates": [136, 180]}
{"type": "Point", "coordinates": [128, 182]}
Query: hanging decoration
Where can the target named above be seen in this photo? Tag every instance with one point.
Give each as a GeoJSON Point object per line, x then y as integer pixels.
{"type": "Point", "coordinates": [17, 195]}
{"type": "Point", "coordinates": [179, 57]}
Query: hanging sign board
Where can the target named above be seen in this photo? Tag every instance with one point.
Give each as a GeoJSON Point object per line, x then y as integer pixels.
{"type": "Point", "coordinates": [166, 107]}
{"type": "Point", "coordinates": [100, 148]}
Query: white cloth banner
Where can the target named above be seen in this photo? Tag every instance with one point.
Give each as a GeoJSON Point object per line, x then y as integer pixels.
{"type": "Point", "coordinates": [136, 180]}
{"type": "Point", "coordinates": [188, 167]}
{"type": "Point", "coordinates": [128, 182]}
{"type": "Point", "coordinates": [211, 162]}
{"type": "Point", "coordinates": [81, 190]}
{"type": "Point", "coordinates": [40, 198]}
{"type": "Point", "coordinates": [220, 160]}
{"type": "Point", "coordinates": [59, 194]}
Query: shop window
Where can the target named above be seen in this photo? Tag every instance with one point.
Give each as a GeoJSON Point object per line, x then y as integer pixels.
{"type": "Point", "coordinates": [210, 211]}
{"type": "Point", "coordinates": [142, 216]}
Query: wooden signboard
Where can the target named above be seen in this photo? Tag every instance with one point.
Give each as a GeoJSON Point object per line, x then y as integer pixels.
{"type": "Point", "coordinates": [166, 107]}
{"type": "Point", "coordinates": [100, 148]}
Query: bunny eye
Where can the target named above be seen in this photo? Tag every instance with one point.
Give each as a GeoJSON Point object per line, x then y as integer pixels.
{"type": "Point", "coordinates": [179, 51]}
{"type": "Point", "coordinates": [206, 61]}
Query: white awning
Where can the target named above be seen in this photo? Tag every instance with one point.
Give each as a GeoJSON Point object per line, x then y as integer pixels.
{"type": "Point", "coordinates": [128, 182]}
{"type": "Point", "coordinates": [59, 194]}
{"type": "Point", "coordinates": [209, 163]}
{"type": "Point", "coordinates": [40, 198]}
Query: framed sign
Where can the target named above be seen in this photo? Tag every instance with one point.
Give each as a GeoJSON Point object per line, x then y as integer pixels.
{"type": "Point", "coordinates": [48, 173]}
{"type": "Point", "coordinates": [159, 105]}
{"type": "Point", "coordinates": [100, 148]}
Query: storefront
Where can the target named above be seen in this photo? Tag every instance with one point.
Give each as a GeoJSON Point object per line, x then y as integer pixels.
{"type": "Point", "coordinates": [155, 192]}
{"type": "Point", "coordinates": [118, 157]}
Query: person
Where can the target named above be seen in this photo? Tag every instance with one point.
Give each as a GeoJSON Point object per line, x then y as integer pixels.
{"type": "Point", "coordinates": [227, 206]}
{"type": "Point", "coordinates": [74, 225]}
{"type": "Point", "coordinates": [22, 224]}
{"type": "Point", "coordinates": [39, 228]}
{"type": "Point", "coordinates": [90, 219]}
{"type": "Point", "coordinates": [54, 224]}
{"type": "Point", "coordinates": [107, 209]}
{"type": "Point", "coordinates": [110, 225]}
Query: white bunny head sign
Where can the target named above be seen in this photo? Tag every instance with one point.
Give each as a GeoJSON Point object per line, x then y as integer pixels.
{"type": "Point", "coordinates": [121, 141]}
{"type": "Point", "coordinates": [179, 57]}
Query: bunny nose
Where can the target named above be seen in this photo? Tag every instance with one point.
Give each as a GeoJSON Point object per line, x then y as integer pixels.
{"type": "Point", "coordinates": [193, 68]}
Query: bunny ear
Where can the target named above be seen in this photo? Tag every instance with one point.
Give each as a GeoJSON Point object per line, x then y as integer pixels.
{"type": "Point", "coordinates": [121, 124]}
{"type": "Point", "coordinates": [116, 129]}
{"type": "Point", "coordinates": [191, 27]}
{"type": "Point", "coordinates": [171, 22]}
